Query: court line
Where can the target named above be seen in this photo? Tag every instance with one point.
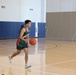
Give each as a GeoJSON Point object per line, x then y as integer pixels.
{"type": "Point", "coordinates": [43, 66]}
{"type": "Point", "coordinates": [52, 63]}
{"type": "Point", "coordinates": [31, 70]}
{"type": "Point", "coordinates": [56, 63]}
{"type": "Point", "coordinates": [45, 72]}
{"type": "Point", "coordinates": [63, 62]}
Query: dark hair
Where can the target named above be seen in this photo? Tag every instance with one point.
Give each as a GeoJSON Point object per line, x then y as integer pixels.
{"type": "Point", "coordinates": [27, 21]}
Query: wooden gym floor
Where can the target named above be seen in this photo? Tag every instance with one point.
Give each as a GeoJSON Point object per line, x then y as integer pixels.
{"type": "Point", "coordinates": [46, 58]}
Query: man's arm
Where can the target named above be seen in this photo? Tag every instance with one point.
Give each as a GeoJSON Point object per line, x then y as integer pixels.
{"type": "Point", "coordinates": [21, 34]}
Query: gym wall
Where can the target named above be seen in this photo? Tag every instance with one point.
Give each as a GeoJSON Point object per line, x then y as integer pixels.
{"type": "Point", "coordinates": [61, 19]}
{"type": "Point", "coordinates": [13, 13]}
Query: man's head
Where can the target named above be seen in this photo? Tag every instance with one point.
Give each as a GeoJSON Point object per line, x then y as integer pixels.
{"type": "Point", "coordinates": [28, 23]}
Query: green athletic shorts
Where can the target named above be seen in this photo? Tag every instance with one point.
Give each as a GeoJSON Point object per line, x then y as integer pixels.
{"type": "Point", "coordinates": [22, 45]}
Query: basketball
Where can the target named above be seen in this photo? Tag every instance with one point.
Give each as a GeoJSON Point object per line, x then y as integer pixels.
{"type": "Point", "coordinates": [32, 41]}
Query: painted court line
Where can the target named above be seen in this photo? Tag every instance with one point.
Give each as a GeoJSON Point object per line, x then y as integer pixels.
{"type": "Point", "coordinates": [43, 66]}
{"type": "Point", "coordinates": [63, 62]}
{"type": "Point", "coordinates": [56, 63]}
{"type": "Point", "coordinates": [31, 70]}
{"type": "Point", "coordinates": [45, 72]}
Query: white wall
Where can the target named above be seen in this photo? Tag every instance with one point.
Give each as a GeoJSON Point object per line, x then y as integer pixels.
{"type": "Point", "coordinates": [68, 5]}
{"type": "Point", "coordinates": [11, 11]}
{"type": "Point", "coordinates": [61, 5]}
{"type": "Point", "coordinates": [43, 10]}
{"type": "Point", "coordinates": [53, 5]}
{"type": "Point", "coordinates": [26, 13]}
{"type": "Point", "coordinates": [38, 12]}
{"type": "Point", "coordinates": [20, 10]}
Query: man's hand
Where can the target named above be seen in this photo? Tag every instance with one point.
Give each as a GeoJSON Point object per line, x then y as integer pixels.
{"type": "Point", "coordinates": [26, 36]}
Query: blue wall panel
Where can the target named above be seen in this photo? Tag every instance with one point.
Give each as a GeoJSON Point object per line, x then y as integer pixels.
{"type": "Point", "coordinates": [32, 30]}
{"type": "Point", "coordinates": [6, 30]}
{"type": "Point", "coordinates": [11, 29]}
{"type": "Point", "coordinates": [41, 30]}
{"type": "Point", "coordinates": [16, 29]}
